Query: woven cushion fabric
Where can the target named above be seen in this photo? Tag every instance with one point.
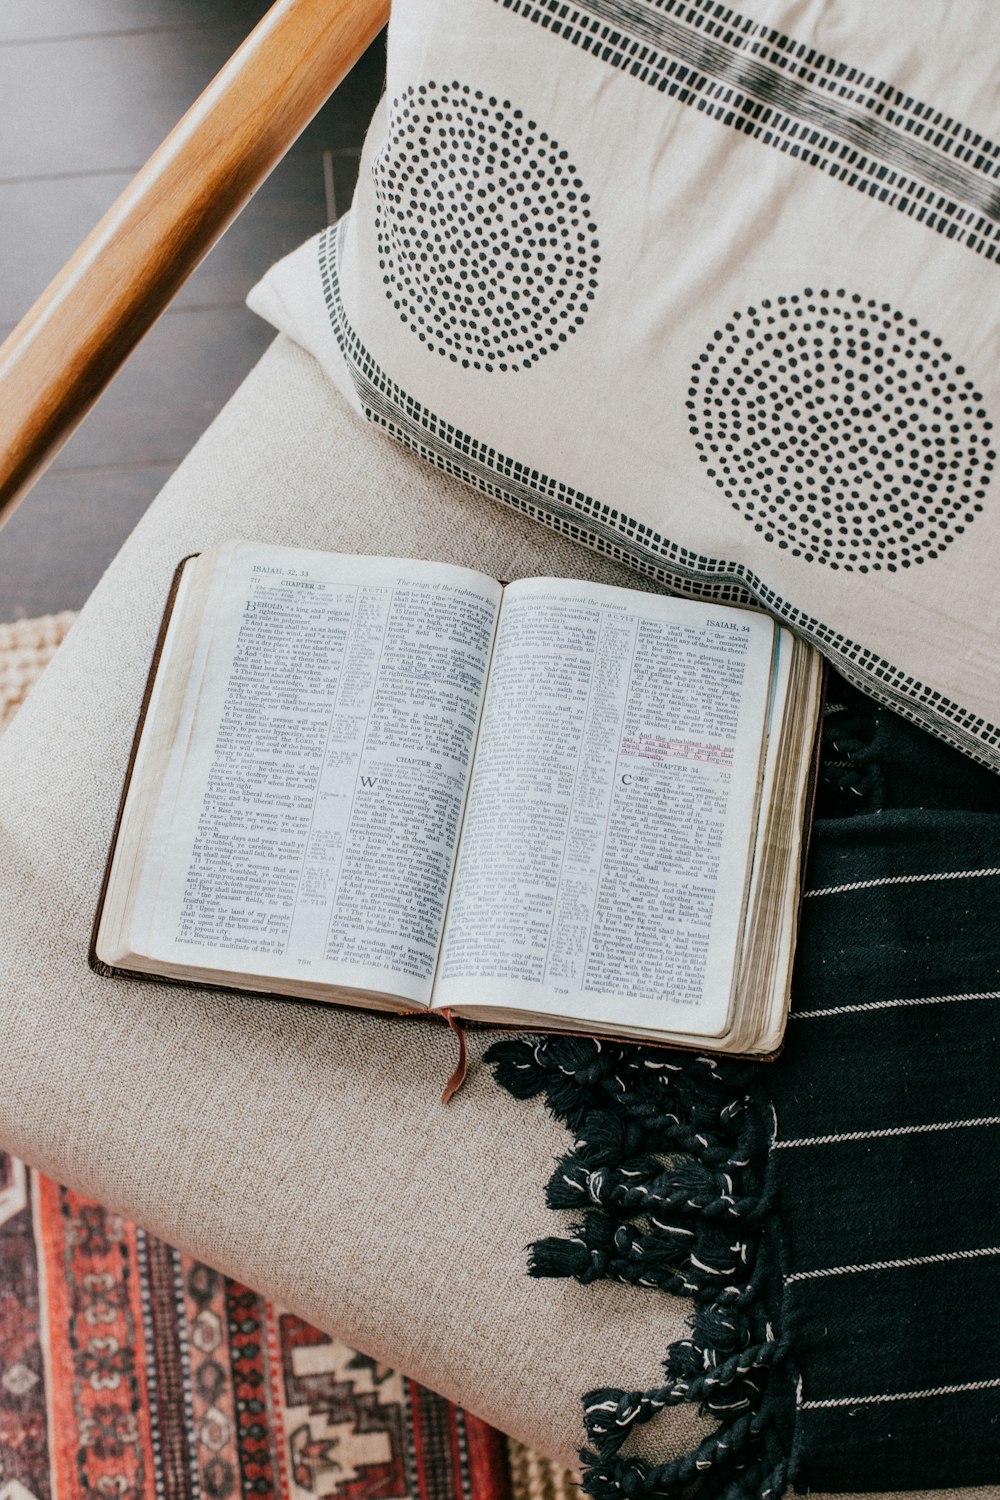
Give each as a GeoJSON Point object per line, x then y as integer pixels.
{"type": "Point", "coordinates": [711, 290]}
{"type": "Point", "coordinates": [301, 1149]}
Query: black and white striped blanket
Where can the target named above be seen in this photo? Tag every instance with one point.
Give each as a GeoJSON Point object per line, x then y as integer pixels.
{"type": "Point", "coordinates": [833, 1217]}
{"type": "Point", "coordinates": [887, 1100]}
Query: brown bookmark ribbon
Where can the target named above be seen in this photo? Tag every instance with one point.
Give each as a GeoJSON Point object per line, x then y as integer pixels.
{"type": "Point", "coordinates": [461, 1067]}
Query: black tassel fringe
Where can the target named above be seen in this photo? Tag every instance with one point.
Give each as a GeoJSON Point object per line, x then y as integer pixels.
{"type": "Point", "coordinates": [669, 1176]}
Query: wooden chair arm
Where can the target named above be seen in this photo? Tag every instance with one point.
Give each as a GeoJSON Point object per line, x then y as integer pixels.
{"type": "Point", "coordinates": [74, 339]}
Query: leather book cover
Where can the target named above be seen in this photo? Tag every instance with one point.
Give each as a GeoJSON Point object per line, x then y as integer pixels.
{"type": "Point", "coordinates": [175, 583]}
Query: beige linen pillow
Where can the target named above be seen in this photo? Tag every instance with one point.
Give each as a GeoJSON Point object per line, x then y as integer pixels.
{"type": "Point", "coordinates": [710, 291]}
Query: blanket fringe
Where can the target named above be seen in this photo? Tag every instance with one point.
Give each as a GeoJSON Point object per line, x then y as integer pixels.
{"type": "Point", "coordinates": [669, 1174]}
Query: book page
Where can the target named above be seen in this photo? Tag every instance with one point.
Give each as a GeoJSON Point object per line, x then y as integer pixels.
{"type": "Point", "coordinates": [310, 812]}
{"type": "Point", "coordinates": [605, 855]}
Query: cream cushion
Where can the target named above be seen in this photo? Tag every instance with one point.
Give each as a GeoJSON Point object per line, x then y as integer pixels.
{"type": "Point", "coordinates": [300, 1148]}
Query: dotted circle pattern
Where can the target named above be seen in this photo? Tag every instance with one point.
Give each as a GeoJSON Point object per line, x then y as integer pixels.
{"type": "Point", "coordinates": [842, 430]}
{"type": "Point", "coordinates": [487, 246]}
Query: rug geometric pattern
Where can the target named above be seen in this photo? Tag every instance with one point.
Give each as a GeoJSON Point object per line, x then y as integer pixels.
{"type": "Point", "coordinates": [128, 1370]}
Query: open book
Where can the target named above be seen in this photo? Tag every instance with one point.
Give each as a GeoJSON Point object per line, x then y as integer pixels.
{"type": "Point", "coordinates": [402, 785]}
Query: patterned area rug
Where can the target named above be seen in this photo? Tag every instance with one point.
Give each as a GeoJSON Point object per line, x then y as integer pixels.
{"type": "Point", "coordinates": [129, 1371]}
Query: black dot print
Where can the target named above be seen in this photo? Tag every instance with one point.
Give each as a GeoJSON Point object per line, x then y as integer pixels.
{"type": "Point", "coordinates": [487, 246]}
{"type": "Point", "coordinates": [841, 430]}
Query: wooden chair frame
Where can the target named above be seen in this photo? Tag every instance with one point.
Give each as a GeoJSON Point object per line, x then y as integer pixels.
{"type": "Point", "coordinates": [75, 338]}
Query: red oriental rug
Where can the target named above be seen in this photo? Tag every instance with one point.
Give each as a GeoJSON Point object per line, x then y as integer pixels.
{"type": "Point", "coordinates": [129, 1371]}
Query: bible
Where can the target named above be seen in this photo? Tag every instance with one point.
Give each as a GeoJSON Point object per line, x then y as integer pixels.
{"type": "Point", "coordinates": [402, 785]}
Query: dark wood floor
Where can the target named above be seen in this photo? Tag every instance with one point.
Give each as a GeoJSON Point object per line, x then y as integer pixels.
{"type": "Point", "coordinates": [88, 88]}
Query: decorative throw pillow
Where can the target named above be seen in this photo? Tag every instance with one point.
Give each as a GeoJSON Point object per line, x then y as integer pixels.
{"type": "Point", "coordinates": [712, 291]}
